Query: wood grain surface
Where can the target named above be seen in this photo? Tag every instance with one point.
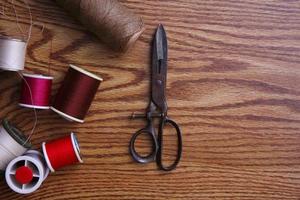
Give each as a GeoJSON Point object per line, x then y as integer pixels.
{"type": "Point", "coordinates": [233, 86]}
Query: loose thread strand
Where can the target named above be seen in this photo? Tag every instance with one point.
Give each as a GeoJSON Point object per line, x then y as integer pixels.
{"type": "Point", "coordinates": [31, 21]}
{"type": "Point", "coordinates": [34, 110]}
{"type": "Point", "coordinates": [17, 19]}
{"type": "Point", "coordinates": [49, 60]}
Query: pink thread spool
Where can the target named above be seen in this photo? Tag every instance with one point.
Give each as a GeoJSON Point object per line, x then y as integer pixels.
{"type": "Point", "coordinates": [36, 91]}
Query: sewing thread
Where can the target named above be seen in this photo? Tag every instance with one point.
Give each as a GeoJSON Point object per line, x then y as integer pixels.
{"type": "Point", "coordinates": [12, 54]}
{"type": "Point", "coordinates": [40, 87]}
{"type": "Point", "coordinates": [12, 143]}
{"type": "Point", "coordinates": [62, 152]}
{"type": "Point", "coordinates": [76, 94]}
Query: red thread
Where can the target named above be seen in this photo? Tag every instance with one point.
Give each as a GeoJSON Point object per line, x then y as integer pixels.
{"type": "Point", "coordinates": [40, 87]}
{"type": "Point", "coordinates": [61, 152]}
{"type": "Point", "coordinates": [76, 93]}
{"type": "Point", "coordinates": [24, 175]}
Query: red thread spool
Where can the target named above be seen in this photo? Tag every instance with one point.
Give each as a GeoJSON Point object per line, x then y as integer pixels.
{"type": "Point", "coordinates": [76, 94]}
{"type": "Point", "coordinates": [62, 152]}
{"type": "Point", "coordinates": [40, 88]}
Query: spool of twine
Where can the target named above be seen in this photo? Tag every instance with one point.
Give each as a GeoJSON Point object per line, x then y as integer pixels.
{"type": "Point", "coordinates": [112, 22]}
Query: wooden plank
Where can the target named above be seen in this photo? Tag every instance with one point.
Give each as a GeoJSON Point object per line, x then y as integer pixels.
{"type": "Point", "coordinates": [233, 85]}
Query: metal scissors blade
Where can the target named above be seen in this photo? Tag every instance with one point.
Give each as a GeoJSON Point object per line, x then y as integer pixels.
{"type": "Point", "coordinates": [159, 68]}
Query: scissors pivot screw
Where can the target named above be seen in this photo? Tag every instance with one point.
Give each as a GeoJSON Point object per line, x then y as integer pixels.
{"type": "Point", "coordinates": [138, 115]}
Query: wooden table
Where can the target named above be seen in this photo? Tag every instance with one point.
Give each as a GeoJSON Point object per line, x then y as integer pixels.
{"type": "Point", "coordinates": [233, 85]}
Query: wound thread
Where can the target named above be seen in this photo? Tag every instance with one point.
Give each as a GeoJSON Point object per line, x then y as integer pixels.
{"type": "Point", "coordinates": [11, 143]}
{"type": "Point", "coordinates": [62, 152]}
{"type": "Point", "coordinates": [76, 94]}
{"type": "Point", "coordinates": [113, 23]}
{"type": "Point", "coordinates": [40, 87]}
{"type": "Point", "coordinates": [12, 54]}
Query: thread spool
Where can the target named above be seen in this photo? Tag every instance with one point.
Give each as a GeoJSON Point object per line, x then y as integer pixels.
{"type": "Point", "coordinates": [12, 143]}
{"type": "Point", "coordinates": [112, 22]}
{"type": "Point", "coordinates": [26, 173]}
{"type": "Point", "coordinates": [36, 91]}
{"type": "Point", "coordinates": [12, 54]}
{"type": "Point", "coordinates": [62, 152]}
{"type": "Point", "coordinates": [76, 94]}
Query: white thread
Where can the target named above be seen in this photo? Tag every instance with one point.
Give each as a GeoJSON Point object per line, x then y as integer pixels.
{"type": "Point", "coordinates": [10, 148]}
{"type": "Point", "coordinates": [12, 54]}
{"type": "Point", "coordinates": [42, 26]}
{"type": "Point", "coordinates": [17, 19]}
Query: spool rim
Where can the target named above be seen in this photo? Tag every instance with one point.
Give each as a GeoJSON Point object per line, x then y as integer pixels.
{"type": "Point", "coordinates": [42, 158]}
{"type": "Point", "coordinates": [16, 134]}
{"type": "Point", "coordinates": [4, 37]}
{"type": "Point", "coordinates": [83, 71]}
{"type": "Point", "coordinates": [40, 76]}
{"type": "Point", "coordinates": [11, 69]}
{"type": "Point", "coordinates": [76, 147]}
{"type": "Point", "coordinates": [66, 116]}
{"type": "Point", "coordinates": [46, 157]}
{"type": "Point", "coordinates": [33, 106]}
{"type": "Point", "coordinates": [31, 151]}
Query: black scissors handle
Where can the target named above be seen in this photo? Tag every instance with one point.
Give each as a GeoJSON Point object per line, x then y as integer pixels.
{"type": "Point", "coordinates": [164, 122]}
{"type": "Point", "coordinates": [152, 155]}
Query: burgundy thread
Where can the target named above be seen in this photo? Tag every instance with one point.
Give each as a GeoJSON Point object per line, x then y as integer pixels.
{"type": "Point", "coordinates": [76, 94]}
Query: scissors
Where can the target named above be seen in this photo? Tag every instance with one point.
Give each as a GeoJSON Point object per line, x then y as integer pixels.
{"type": "Point", "coordinates": [157, 107]}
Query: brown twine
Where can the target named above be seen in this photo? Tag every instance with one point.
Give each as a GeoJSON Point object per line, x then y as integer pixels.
{"type": "Point", "coordinates": [112, 22]}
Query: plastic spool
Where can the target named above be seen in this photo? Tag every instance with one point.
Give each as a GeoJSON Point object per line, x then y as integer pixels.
{"type": "Point", "coordinates": [62, 152]}
{"type": "Point", "coordinates": [12, 53]}
{"type": "Point", "coordinates": [40, 88]}
{"type": "Point", "coordinates": [12, 143]}
{"type": "Point", "coordinates": [26, 173]}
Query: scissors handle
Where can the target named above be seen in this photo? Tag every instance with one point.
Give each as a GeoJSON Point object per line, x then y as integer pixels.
{"type": "Point", "coordinates": [160, 145]}
{"type": "Point", "coordinates": [152, 155]}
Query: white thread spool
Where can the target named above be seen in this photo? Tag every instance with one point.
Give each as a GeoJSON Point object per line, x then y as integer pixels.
{"type": "Point", "coordinates": [21, 169]}
{"type": "Point", "coordinates": [12, 143]}
{"type": "Point", "coordinates": [12, 53]}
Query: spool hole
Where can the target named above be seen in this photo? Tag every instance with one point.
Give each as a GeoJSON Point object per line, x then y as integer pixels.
{"type": "Point", "coordinates": [34, 168]}
{"type": "Point", "coordinates": [17, 165]}
{"type": "Point", "coordinates": [32, 183]}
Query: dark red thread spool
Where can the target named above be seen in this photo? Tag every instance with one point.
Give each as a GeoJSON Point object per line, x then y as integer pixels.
{"type": "Point", "coordinates": [36, 91]}
{"type": "Point", "coordinates": [76, 94]}
{"type": "Point", "coordinates": [61, 152]}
